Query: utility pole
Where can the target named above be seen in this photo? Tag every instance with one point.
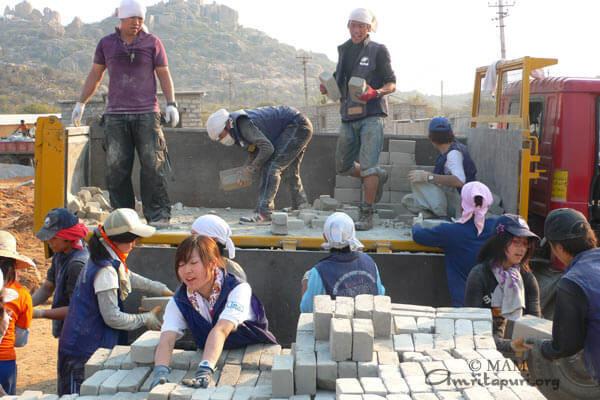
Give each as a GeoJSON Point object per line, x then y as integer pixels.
{"type": "Point", "coordinates": [501, 14]}
{"type": "Point", "coordinates": [305, 59]}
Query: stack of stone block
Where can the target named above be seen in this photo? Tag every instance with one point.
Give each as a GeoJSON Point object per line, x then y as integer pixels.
{"type": "Point", "coordinates": [91, 204]}
{"type": "Point", "coordinates": [282, 223]}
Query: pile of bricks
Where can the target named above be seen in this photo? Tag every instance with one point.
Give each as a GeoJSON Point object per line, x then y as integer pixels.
{"type": "Point", "coordinates": [91, 203]}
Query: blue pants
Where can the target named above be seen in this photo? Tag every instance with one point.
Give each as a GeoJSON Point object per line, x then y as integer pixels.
{"type": "Point", "coordinates": [71, 373]}
{"type": "Point", "coordinates": [8, 376]}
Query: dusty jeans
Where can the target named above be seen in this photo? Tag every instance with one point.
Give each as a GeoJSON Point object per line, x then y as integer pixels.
{"type": "Point", "coordinates": [286, 159]}
{"type": "Point", "coordinates": [124, 134]}
{"type": "Point", "coordinates": [362, 139]}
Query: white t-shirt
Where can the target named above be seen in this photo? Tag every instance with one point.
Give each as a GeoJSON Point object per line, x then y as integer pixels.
{"type": "Point", "coordinates": [237, 310]}
{"type": "Point", "coordinates": [106, 279]}
{"type": "Point", "coordinates": [454, 165]}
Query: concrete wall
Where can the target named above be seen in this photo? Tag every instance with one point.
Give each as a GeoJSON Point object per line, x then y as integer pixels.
{"type": "Point", "coordinates": [275, 278]}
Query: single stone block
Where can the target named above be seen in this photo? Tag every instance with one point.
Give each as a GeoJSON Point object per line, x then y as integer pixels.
{"type": "Point", "coordinates": [373, 385]}
{"type": "Point", "coordinates": [182, 392]}
{"type": "Point", "coordinates": [134, 379]}
{"type": "Point", "coordinates": [423, 341]}
{"type": "Point", "coordinates": [265, 378]}
{"type": "Point", "coordinates": [323, 395]}
{"type": "Point", "coordinates": [203, 394]}
{"type": "Point", "coordinates": [382, 316]}
{"type": "Point", "coordinates": [389, 370]}
{"type": "Point", "coordinates": [305, 341]}
{"type": "Point", "coordinates": [233, 179]}
{"type": "Point", "coordinates": [411, 369]}
{"type": "Point", "coordinates": [444, 326]}
{"type": "Point", "coordinates": [529, 326]}
{"type": "Point", "coordinates": [362, 339]}
{"type": "Point", "coordinates": [182, 359]}
{"type": "Point", "coordinates": [438, 354]}
{"type": "Point", "coordinates": [491, 354]}
{"type": "Point", "coordinates": [448, 395]}
{"type": "Point", "coordinates": [91, 385]}
{"type": "Point", "coordinates": [415, 356]}
{"type": "Point", "coordinates": [340, 339]}
{"type": "Point", "coordinates": [402, 146]}
{"type": "Point", "coordinates": [477, 393]}
{"type": "Point", "coordinates": [443, 341]}
{"type": "Point", "coordinates": [482, 327]}
{"type": "Point", "coordinates": [363, 306]}
{"type": "Point", "coordinates": [398, 158]}
{"type": "Point", "coordinates": [347, 195]}
{"type": "Point", "coordinates": [344, 307]}
{"type": "Point", "coordinates": [463, 327]}
{"type": "Point", "coordinates": [84, 196]}
{"type": "Point", "coordinates": [251, 359]}
{"type": "Point", "coordinates": [505, 394]}
{"type": "Point", "coordinates": [408, 313]}
{"type": "Point", "coordinates": [347, 369]}
{"type": "Point", "coordinates": [307, 216]}
{"type": "Point", "coordinates": [425, 324]}
{"type": "Point", "coordinates": [405, 325]}
{"type": "Point", "coordinates": [294, 224]}
{"type": "Point", "coordinates": [417, 384]}
{"type": "Point", "coordinates": [283, 376]}
{"type": "Point", "coordinates": [116, 357]}
{"type": "Point", "coordinates": [327, 370]}
{"type": "Point", "coordinates": [323, 308]}
{"type": "Point", "coordinates": [388, 357]}
{"type": "Point", "coordinates": [395, 384]}
{"type": "Point", "coordinates": [356, 88]}
{"type": "Point", "coordinates": [347, 386]}
{"type": "Point", "coordinates": [368, 368]}
{"type": "Point", "coordinates": [464, 342]}
{"type": "Point", "coordinates": [144, 347]}
{"type": "Point", "coordinates": [347, 182]}
{"type": "Point", "coordinates": [128, 363]}
{"type": "Point", "coordinates": [261, 392]}
{"type": "Point", "coordinates": [430, 366]}
{"type": "Point", "coordinates": [266, 358]}
{"type": "Point", "coordinates": [279, 229]}
{"type": "Point", "coordinates": [29, 395]}
{"type": "Point", "coordinates": [383, 344]}
{"type": "Point", "coordinates": [403, 342]}
{"type": "Point", "coordinates": [235, 356]}
{"type": "Point", "coordinates": [485, 342]}
{"type": "Point", "coordinates": [161, 392]}
{"type": "Point", "coordinates": [457, 366]}
{"type": "Point", "coordinates": [318, 223]}
{"type": "Point", "coordinates": [424, 396]}
{"type": "Point", "coordinates": [465, 353]}
{"type": "Point", "coordinates": [322, 345]}
{"type": "Point", "coordinates": [110, 385]}
{"type": "Point", "coordinates": [96, 361]}
{"type": "Point", "coordinates": [242, 392]}
{"type": "Point", "coordinates": [328, 80]}
{"type": "Point", "coordinates": [223, 393]}
{"type": "Point", "coordinates": [279, 218]}
{"type": "Point", "coordinates": [384, 158]}
{"type": "Point", "coordinates": [305, 372]}
{"type": "Point", "coordinates": [248, 377]}
{"type": "Point", "coordinates": [230, 373]}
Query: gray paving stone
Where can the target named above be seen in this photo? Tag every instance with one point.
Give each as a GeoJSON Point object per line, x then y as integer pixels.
{"type": "Point", "coordinates": [327, 371]}
{"type": "Point", "coordinates": [373, 385]}
{"type": "Point", "coordinates": [463, 327]}
{"type": "Point", "coordinates": [230, 373]}
{"type": "Point", "coordinates": [128, 363]}
{"type": "Point", "coordinates": [402, 146]}
{"type": "Point", "coordinates": [96, 361]}
{"type": "Point", "coordinates": [505, 394]}
{"type": "Point", "coordinates": [415, 356]}
{"type": "Point", "coordinates": [161, 392]}
{"type": "Point", "coordinates": [423, 341]}
{"type": "Point", "coordinates": [409, 313]}
{"type": "Point", "coordinates": [182, 392]}
{"type": "Point", "coordinates": [443, 341]}
{"type": "Point", "coordinates": [347, 369]}
{"type": "Point", "coordinates": [450, 395]}
{"type": "Point", "coordinates": [405, 325]}
{"type": "Point", "coordinates": [425, 324]}
{"type": "Point", "coordinates": [368, 368]}
{"type": "Point", "coordinates": [264, 378]}
{"type": "Point", "coordinates": [301, 397]}
{"type": "Point", "coordinates": [305, 372]}
{"type": "Point", "coordinates": [31, 395]}
{"type": "Point", "coordinates": [482, 327]}
{"type": "Point", "coordinates": [477, 393]}
{"type": "Point", "coordinates": [389, 370]}
{"type": "Point", "coordinates": [414, 307]}
{"type": "Point", "coordinates": [322, 345]}
{"type": "Point", "coordinates": [398, 396]}
{"type": "Point", "coordinates": [464, 342]}
{"type": "Point", "coordinates": [305, 341]}
{"type": "Point", "coordinates": [457, 366]}
{"type": "Point", "coordinates": [477, 314]}
{"type": "Point", "coordinates": [344, 307]}
{"type": "Point", "coordinates": [340, 339]}
{"type": "Point", "coordinates": [411, 369]}
{"type": "Point", "coordinates": [223, 393]}
{"type": "Point", "coordinates": [398, 158]}
{"type": "Point", "coordinates": [430, 366]}
{"type": "Point", "coordinates": [134, 379]}
{"type": "Point", "coordinates": [116, 357]}
{"type": "Point", "coordinates": [248, 377]}
{"type": "Point", "coordinates": [323, 308]}
{"type": "Point", "coordinates": [383, 344]}
{"type": "Point", "coordinates": [266, 358]}
{"type": "Point", "coordinates": [388, 357]}
{"type": "Point", "coordinates": [44, 397]}
{"type": "Point", "coordinates": [467, 354]}
{"type": "Point", "coordinates": [347, 182]}
{"type": "Point", "coordinates": [491, 354]}
{"type": "Point", "coordinates": [438, 354]}
{"type": "Point", "coordinates": [347, 386]}
{"type": "Point", "coordinates": [324, 395]}
{"type": "Point", "coordinates": [182, 359]}
{"type": "Point", "coordinates": [203, 394]}
{"type": "Point", "coordinates": [529, 326]}
{"type": "Point", "coordinates": [484, 342]}
{"type": "Point", "coordinates": [417, 384]}
{"type": "Point", "coordinates": [251, 358]}
{"type": "Point", "coordinates": [424, 396]}
{"type": "Point", "coordinates": [235, 356]}
{"type": "Point", "coordinates": [144, 347]}
{"type": "Point", "coordinates": [176, 375]}
{"type": "Point", "coordinates": [349, 397]}
{"type": "Point", "coordinates": [110, 384]}
{"type": "Point", "coordinates": [306, 322]}
{"type": "Point", "coordinates": [362, 339]}
{"type": "Point", "coordinates": [395, 384]}
{"type": "Point", "coordinates": [243, 392]}
{"type": "Point", "coordinates": [403, 342]}
{"type": "Point", "coordinates": [444, 326]}
{"type": "Point", "coordinates": [261, 392]}
{"type": "Point", "coordinates": [283, 376]}
{"type": "Point", "coordinates": [382, 316]}
{"type": "Point", "coordinates": [91, 385]}
{"type": "Point", "coordinates": [363, 306]}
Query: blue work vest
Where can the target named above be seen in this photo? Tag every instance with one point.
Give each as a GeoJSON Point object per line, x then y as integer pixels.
{"type": "Point", "coordinates": [249, 332]}
{"type": "Point", "coordinates": [584, 270]}
{"type": "Point", "coordinates": [61, 262]}
{"type": "Point", "coordinates": [348, 274]}
{"type": "Point", "coordinates": [468, 164]}
{"type": "Point", "coordinates": [84, 330]}
{"type": "Point", "coordinates": [271, 121]}
{"type": "Point", "coordinates": [364, 67]}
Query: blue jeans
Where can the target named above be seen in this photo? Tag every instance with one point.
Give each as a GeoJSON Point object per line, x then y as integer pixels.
{"type": "Point", "coordinates": [71, 373]}
{"type": "Point", "coordinates": [363, 139]}
{"type": "Point", "coordinates": [8, 376]}
{"type": "Point", "coordinates": [123, 135]}
{"type": "Point", "coordinates": [286, 159]}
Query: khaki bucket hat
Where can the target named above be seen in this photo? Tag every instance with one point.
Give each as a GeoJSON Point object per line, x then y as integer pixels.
{"type": "Point", "coordinates": [8, 249]}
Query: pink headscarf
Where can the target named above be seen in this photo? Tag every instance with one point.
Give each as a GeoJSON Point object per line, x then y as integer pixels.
{"type": "Point", "coordinates": [468, 194]}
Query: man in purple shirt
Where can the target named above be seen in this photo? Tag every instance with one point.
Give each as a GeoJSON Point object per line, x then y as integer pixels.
{"type": "Point", "coordinates": [132, 116]}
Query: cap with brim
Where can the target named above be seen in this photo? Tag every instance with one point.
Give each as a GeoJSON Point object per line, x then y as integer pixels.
{"type": "Point", "coordinates": [515, 225]}
{"type": "Point", "coordinates": [124, 220]}
{"type": "Point", "coordinates": [56, 220]}
{"type": "Point", "coordinates": [8, 249]}
{"type": "Point", "coordinates": [564, 224]}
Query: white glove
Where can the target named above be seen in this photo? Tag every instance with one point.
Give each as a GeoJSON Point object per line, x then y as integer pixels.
{"type": "Point", "coordinates": [418, 175]}
{"type": "Point", "coordinates": [418, 219]}
{"type": "Point", "coordinates": [172, 116]}
{"type": "Point", "coordinates": [77, 113]}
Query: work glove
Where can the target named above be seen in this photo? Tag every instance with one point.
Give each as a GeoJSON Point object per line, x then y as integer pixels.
{"type": "Point", "coordinates": [77, 113]}
{"type": "Point", "coordinates": [418, 219]}
{"type": "Point", "coordinates": [520, 345]}
{"type": "Point", "coordinates": [38, 313]}
{"type": "Point", "coordinates": [246, 174]}
{"type": "Point", "coordinates": [418, 175]}
{"type": "Point", "coordinates": [323, 89]}
{"type": "Point", "coordinates": [167, 292]}
{"type": "Point", "coordinates": [369, 94]}
{"type": "Point", "coordinates": [172, 116]}
{"type": "Point", "coordinates": [204, 375]}
{"type": "Point", "coordinates": [152, 322]}
{"type": "Point", "coordinates": [160, 375]}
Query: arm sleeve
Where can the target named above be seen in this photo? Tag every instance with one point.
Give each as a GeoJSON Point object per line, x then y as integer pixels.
{"type": "Point", "coordinates": [147, 285]}
{"type": "Point", "coordinates": [42, 294]}
{"type": "Point", "coordinates": [99, 54]}
{"type": "Point", "coordinates": [380, 288]}
{"type": "Point", "coordinates": [173, 320]}
{"type": "Point", "coordinates": [569, 326]}
{"type": "Point", "coordinates": [51, 274]}
{"type": "Point", "coordinates": [237, 308]}
{"type": "Point", "coordinates": [454, 165]}
{"type": "Point", "coordinates": [113, 316]}
{"type": "Point", "coordinates": [21, 336]}
{"type": "Point", "coordinates": [73, 270]}
{"type": "Point", "coordinates": [475, 290]}
{"type": "Point", "coordinates": [532, 296]}
{"type": "Point", "coordinates": [253, 135]}
{"type": "Point", "coordinates": [160, 54]}
{"type": "Point", "coordinates": [436, 236]}
{"type": "Point", "coordinates": [315, 287]}
{"type": "Point", "coordinates": [384, 65]}
{"type": "Point", "coordinates": [26, 311]}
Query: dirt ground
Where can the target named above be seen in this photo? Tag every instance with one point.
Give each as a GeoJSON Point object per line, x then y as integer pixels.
{"type": "Point", "coordinates": [36, 362]}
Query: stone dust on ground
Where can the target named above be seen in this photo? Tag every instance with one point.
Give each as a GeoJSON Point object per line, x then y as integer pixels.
{"type": "Point", "coordinates": [36, 362]}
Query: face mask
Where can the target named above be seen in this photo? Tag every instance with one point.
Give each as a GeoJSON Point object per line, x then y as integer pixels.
{"type": "Point", "coordinates": [227, 140]}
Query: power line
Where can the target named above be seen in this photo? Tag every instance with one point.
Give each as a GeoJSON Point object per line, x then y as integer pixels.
{"type": "Point", "coordinates": [305, 59]}
{"type": "Point", "coordinates": [501, 14]}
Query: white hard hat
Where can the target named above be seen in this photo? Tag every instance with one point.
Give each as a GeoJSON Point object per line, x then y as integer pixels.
{"type": "Point", "coordinates": [216, 123]}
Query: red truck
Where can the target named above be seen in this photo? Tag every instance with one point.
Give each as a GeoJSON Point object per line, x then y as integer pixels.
{"type": "Point", "coordinates": [17, 152]}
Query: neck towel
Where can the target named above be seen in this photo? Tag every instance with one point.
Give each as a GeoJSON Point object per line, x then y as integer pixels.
{"type": "Point", "coordinates": [339, 232]}
{"type": "Point", "coordinates": [468, 194]}
{"type": "Point", "coordinates": [124, 282]}
{"type": "Point", "coordinates": [74, 233]}
{"type": "Point", "coordinates": [509, 295]}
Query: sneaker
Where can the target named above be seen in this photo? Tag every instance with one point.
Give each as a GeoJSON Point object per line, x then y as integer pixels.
{"type": "Point", "coordinates": [383, 177]}
{"type": "Point", "coordinates": [365, 219]}
{"type": "Point", "coordinates": [256, 219]}
{"type": "Point", "coordinates": [160, 223]}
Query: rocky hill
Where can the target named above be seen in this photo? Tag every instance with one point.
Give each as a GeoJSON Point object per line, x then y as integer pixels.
{"type": "Point", "coordinates": [46, 61]}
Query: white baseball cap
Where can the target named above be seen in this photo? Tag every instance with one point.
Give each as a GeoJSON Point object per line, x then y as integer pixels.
{"type": "Point", "coordinates": [216, 123]}
{"type": "Point", "coordinates": [124, 220]}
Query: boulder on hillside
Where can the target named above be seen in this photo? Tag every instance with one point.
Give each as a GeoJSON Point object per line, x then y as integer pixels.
{"type": "Point", "coordinates": [23, 9]}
